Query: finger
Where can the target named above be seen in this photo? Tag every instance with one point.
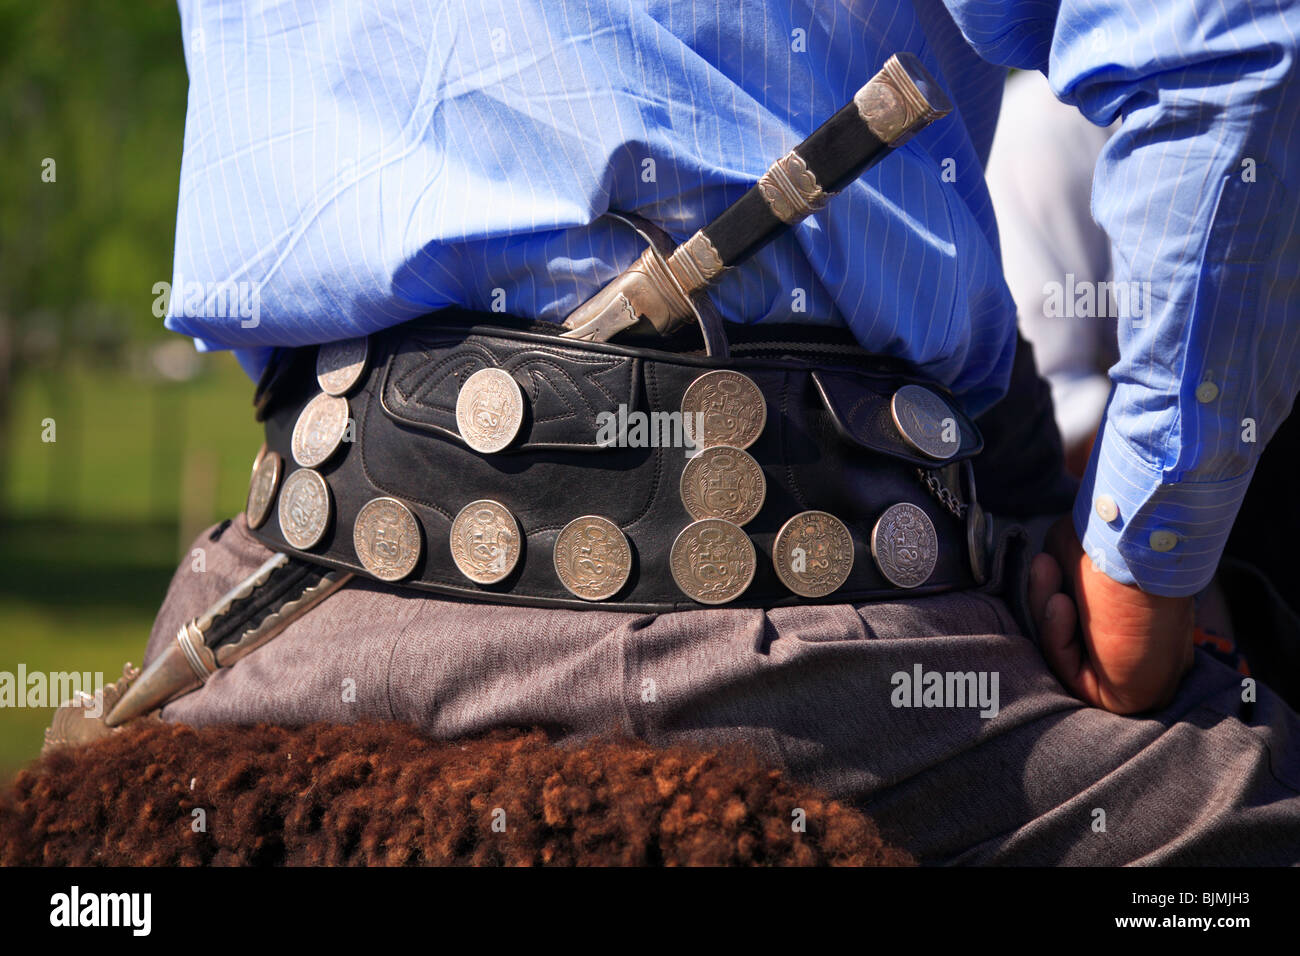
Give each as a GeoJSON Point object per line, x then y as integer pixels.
{"type": "Point", "coordinates": [1065, 652]}
{"type": "Point", "coordinates": [1044, 581]}
{"type": "Point", "coordinates": [1062, 648]}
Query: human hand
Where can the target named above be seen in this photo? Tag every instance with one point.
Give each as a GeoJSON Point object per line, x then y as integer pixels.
{"type": "Point", "coordinates": [1112, 645]}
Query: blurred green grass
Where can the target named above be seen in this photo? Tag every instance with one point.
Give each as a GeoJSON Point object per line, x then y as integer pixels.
{"type": "Point", "coordinates": [93, 528]}
{"type": "Point", "coordinates": [92, 113]}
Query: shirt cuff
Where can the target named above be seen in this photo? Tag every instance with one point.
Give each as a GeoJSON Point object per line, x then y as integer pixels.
{"type": "Point", "coordinates": [1139, 529]}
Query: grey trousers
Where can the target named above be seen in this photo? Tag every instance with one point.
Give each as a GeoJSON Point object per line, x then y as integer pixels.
{"type": "Point", "coordinates": [892, 706]}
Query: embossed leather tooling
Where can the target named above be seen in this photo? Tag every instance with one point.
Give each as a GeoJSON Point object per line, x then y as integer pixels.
{"type": "Point", "coordinates": [822, 436]}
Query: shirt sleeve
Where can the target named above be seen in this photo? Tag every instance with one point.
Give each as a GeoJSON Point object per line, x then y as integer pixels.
{"type": "Point", "coordinates": [1046, 230]}
{"type": "Point", "coordinates": [1197, 192]}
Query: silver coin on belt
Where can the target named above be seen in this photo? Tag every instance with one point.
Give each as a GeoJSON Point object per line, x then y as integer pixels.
{"type": "Point", "coordinates": [319, 430]}
{"type": "Point", "coordinates": [386, 537]}
{"type": "Point", "coordinates": [904, 545]}
{"type": "Point", "coordinates": [257, 460]}
{"type": "Point", "coordinates": [723, 482]}
{"type": "Point", "coordinates": [925, 422]}
{"type": "Point", "coordinates": [262, 487]}
{"type": "Point", "coordinates": [485, 541]}
{"type": "Point", "coordinates": [340, 365]}
{"type": "Point", "coordinates": [489, 410]}
{"type": "Point", "coordinates": [813, 554]}
{"type": "Point", "coordinates": [305, 509]}
{"type": "Point", "coordinates": [713, 561]}
{"type": "Point", "coordinates": [593, 559]}
{"type": "Point", "coordinates": [729, 407]}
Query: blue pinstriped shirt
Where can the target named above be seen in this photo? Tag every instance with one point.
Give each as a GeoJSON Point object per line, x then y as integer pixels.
{"type": "Point", "coordinates": [351, 165]}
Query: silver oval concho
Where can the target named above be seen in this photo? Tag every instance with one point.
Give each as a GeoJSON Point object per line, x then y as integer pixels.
{"type": "Point", "coordinates": [904, 545]}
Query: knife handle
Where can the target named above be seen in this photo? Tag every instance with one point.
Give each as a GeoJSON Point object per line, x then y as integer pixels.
{"type": "Point", "coordinates": [898, 102]}
{"type": "Point", "coordinates": [657, 294]}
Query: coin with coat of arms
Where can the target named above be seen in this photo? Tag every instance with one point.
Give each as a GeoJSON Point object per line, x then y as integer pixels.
{"type": "Point", "coordinates": [593, 558]}
{"type": "Point", "coordinates": [386, 537]}
{"type": "Point", "coordinates": [261, 489]}
{"type": "Point", "coordinates": [813, 554]}
{"type": "Point", "coordinates": [340, 365]}
{"type": "Point", "coordinates": [729, 408]}
{"type": "Point", "coordinates": [305, 508]}
{"type": "Point", "coordinates": [925, 421]}
{"type": "Point", "coordinates": [319, 430]}
{"type": "Point", "coordinates": [904, 545]}
{"type": "Point", "coordinates": [485, 541]}
{"type": "Point", "coordinates": [489, 410]}
{"type": "Point", "coordinates": [713, 561]}
{"type": "Point", "coordinates": [723, 482]}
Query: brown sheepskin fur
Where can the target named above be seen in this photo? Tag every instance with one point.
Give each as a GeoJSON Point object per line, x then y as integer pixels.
{"type": "Point", "coordinates": [384, 794]}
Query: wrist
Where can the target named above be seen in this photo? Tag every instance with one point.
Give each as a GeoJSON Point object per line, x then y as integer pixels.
{"type": "Point", "coordinates": [1163, 537]}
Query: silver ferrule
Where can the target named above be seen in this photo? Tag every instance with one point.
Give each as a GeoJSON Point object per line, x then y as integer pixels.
{"type": "Point", "coordinates": [695, 263]}
{"type": "Point", "coordinates": [791, 190]}
{"type": "Point", "coordinates": [901, 100]}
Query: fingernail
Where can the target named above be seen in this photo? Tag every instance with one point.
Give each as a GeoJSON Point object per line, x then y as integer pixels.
{"type": "Point", "coordinates": [1050, 610]}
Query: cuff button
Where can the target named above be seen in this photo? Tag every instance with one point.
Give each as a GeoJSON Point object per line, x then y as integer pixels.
{"type": "Point", "coordinates": [1107, 510]}
{"type": "Point", "coordinates": [1163, 540]}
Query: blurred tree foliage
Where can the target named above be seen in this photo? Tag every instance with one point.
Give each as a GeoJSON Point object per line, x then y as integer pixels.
{"type": "Point", "coordinates": [92, 114]}
{"type": "Point", "coordinates": [100, 89]}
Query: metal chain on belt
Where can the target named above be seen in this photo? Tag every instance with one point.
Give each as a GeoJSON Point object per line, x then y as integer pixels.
{"type": "Point", "coordinates": [946, 496]}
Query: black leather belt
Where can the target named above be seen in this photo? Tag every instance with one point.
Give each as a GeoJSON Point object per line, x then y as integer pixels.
{"type": "Point", "coordinates": [576, 498]}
